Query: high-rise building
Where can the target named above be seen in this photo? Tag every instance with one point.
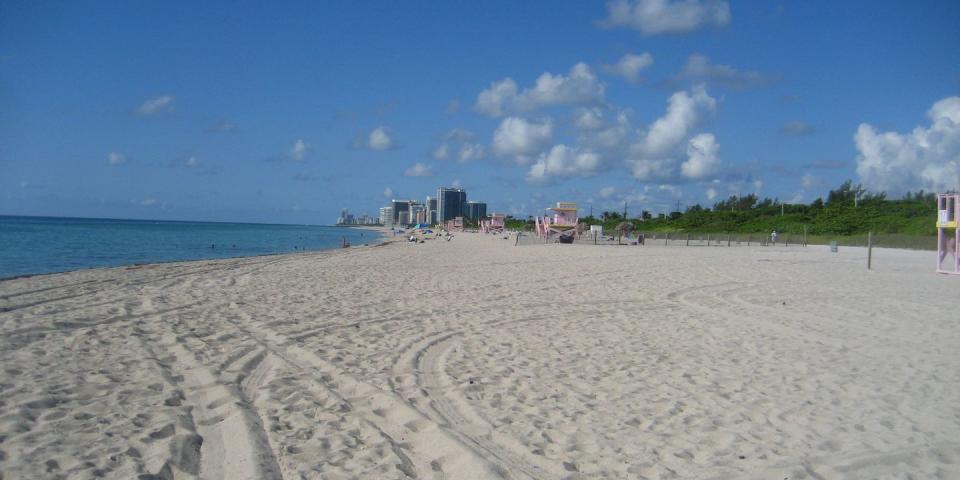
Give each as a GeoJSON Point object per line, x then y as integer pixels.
{"type": "Point", "coordinates": [450, 203]}
{"type": "Point", "coordinates": [404, 218]}
{"type": "Point", "coordinates": [475, 210]}
{"type": "Point", "coordinates": [399, 206]}
{"type": "Point", "coordinates": [418, 213]}
{"type": "Point", "coordinates": [431, 205]}
{"type": "Point", "coordinates": [386, 216]}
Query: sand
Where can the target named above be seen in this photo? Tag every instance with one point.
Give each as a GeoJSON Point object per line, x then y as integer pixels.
{"type": "Point", "coordinates": [477, 359]}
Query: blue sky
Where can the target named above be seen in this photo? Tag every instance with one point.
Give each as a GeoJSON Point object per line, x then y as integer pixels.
{"type": "Point", "coordinates": [240, 111]}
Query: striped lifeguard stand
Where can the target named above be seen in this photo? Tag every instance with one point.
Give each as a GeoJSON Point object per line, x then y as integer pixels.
{"type": "Point", "coordinates": [564, 219]}
{"type": "Point", "coordinates": [948, 213]}
{"type": "Point", "coordinates": [495, 224]}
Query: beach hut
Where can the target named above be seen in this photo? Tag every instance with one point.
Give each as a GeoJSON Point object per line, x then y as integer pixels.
{"type": "Point", "coordinates": [948, 235]}
{"type": "Point", "coordinates": [564, 218]}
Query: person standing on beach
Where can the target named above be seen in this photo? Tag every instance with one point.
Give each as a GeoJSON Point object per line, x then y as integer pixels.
{"type": "Point", "coordinates": [773, 237]}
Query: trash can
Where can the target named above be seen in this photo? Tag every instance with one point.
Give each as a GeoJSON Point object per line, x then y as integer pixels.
{"type": "Point", "coordinates": [833, 246]}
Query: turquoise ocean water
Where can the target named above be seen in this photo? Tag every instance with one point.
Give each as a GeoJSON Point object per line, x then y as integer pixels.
{"type": "Point", "coordinates": [31, 245]}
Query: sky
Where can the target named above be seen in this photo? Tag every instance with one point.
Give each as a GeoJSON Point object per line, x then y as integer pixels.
{"type": "Point", "coordinates": [286, 112]}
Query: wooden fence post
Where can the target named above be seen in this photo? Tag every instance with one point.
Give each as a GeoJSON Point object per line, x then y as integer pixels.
{"type": "Point", "coordinates": [869, 249]}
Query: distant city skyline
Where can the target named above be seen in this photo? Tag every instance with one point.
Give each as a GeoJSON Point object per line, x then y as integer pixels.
{"type": "Point", "coordinates": [288, 113]}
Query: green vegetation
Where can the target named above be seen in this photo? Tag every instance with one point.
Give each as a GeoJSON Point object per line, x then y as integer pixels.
{"type": "Point", "coordinates": [848, 213]}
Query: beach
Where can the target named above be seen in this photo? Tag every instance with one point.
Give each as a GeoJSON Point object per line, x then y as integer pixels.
{"type": "Point", "coordinates": [475, 358]}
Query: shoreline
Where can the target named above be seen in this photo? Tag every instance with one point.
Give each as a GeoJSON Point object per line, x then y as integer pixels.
{"type": "Point", "coordinates": [383, 239]}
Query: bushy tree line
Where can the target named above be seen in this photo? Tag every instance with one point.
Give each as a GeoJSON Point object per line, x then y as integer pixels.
{"type": "Point", "coordinates": [849, 209]}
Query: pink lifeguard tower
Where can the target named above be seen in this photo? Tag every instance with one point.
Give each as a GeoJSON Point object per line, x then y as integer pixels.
{"type": "Point", "coordinates": [494, 224]}
{"type": "Point", "coordinates": [948, 235]}
{"type": "Point", "coordinates": [564, 219]}
{"type": "Point", "coordinates": [454, 225]}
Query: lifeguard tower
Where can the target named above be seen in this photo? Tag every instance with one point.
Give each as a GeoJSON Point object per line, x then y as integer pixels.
{"type": "Point", "coordinates": [494, 224]}
{"type": "Point", "coordinates": [564, 219]}
{"type": "Point", "coordinates": [454, 225]}
{"type": "Point", "coordinates": [948, 235]}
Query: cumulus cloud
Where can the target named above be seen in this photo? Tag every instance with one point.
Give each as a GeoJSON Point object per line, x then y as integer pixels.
{"type": "Point", "coordinates": [589, 118]}
{"type": "Point", "coordinates": [442, 152]}
{"type": "Point", "coordinates": [711, 193]}
{"type": "Point", "coordinates": [702, 157]}
{"type": "Point", "coordinates": [380, 139]}
{"type": "Point", "coordinates": [156, 105]}
{"type": "Point", "coordinates": [630, 65]}
{"type": "Point", "coordinates": [419, 170]}
{"type": "Point", "coordinates": [470, 152]}
{"type": "Point", "coordinates": [563, 161]}
{"type": "Point", "coordinates": [655, 155]}
{"type": "Point", "coordinates": [457, 145]}
{"type": "Point", "coordinates": [699, 69]}
{"type": "Point", "coordinates": [579, 86]}
{"type": "Point", "coordinates": [299, 151]}
{"type": "Point", "coordinates": [116, 158]}
{"type": "Point", "coordinates": [607, 192]}
{"type": "Point", "coordinates": [797, 128]}
{"type": "Point", "coordinates": [192, 162]}
{"type": "Point", "coordinates": [521, 138]}
{"type": "Point", "coordinates": [684, 111]}
{"type": "Point", "coordinates": [654, 17]}
{"type": "Point", "coordinates": [927, 157]}
{"type": "Point", "coordinates": [388, 192]}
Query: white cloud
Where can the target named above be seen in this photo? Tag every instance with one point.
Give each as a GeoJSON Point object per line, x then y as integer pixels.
{"type": "Point", "coordinates": [147, 202]}
{"type": "Point", "coordinates": [563, 161]}
{"type": "Point", "coordinates": [470, 152]}
{"type": "Point", "coordinates": [589, 118]}
{"type": "Point", "coordinates": [699, 68]}
{"type": "Point", "coordinates": [927, 157]}
{"type": "Point", "coordinates": [607, 192]}
{"type": "Point", "coordinates": [299, 151]}
{"type": "Point", "coordinates": [630, 65]}
{"type": "Point", "coordinates": [380, 139]}
{"type": "Point", "coordinates": [684, 111]}
{"type": "Point", "coordinates": [579, 86]}
{"type": "Point", "coordinates": [419, 170]}
{"type": "Point", "coordinates": [654, 17]}
{"type": "Point", "coordinates": [458, 135]}
{"type": "Point", "coordinates": [115, 158]}
{"type": "Point", "coordinates": [441, 152]}
{"type": "Point", "coordinates": [711, 193]}
{"type": "Point", "coordinates": [521, 138]}
{"type": "Point", "coordinates": [192, 162]}
{"type": "Point", "coordinates": [388, 192]}
{"type": "Point", "coordinates": [702, 156]}
{"type": "Point", "coordinates": [456, 184]}
{"type": "Point", "coordinates": [655, 156]}
{"type": "Point", "coordinates": [156, 105]}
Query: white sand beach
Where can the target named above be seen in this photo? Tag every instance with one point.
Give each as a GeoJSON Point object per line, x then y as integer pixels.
{"type": "Point", "coordinates": [475, 359]}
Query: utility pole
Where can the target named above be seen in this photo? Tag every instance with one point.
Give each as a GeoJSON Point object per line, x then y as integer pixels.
{"type": "Point", "coordinates": [781, 209]}
{"type": "Point", "coordinates": [624, 209]}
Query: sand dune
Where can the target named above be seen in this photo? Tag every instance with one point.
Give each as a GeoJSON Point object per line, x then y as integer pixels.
{"type": "Point", "coordinates": [477, 359]}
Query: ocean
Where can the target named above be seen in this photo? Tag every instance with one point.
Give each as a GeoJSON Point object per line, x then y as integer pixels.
{"type": "Point", "coordinates": [32, 245]}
